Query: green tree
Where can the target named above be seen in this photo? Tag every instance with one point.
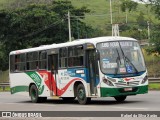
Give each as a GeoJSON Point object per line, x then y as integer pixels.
{"type": "Point", "coordinates": [40, 24]}
{"type": "Point", "coordinates": [154, 41]}
{"type": "Point", "coordinates": [14, 4]}
{"type": "Point", "coordinates": [128, 5]}
{"type": "Point", "coordinates": [141, 20]}
{"type": "Point", "coordinates": [155, 35]}
{"type": "Point", "coordinates": [155, 4]}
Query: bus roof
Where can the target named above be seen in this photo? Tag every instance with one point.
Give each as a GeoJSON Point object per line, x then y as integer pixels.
{"type": "Point", "coordinates": [75, 42]}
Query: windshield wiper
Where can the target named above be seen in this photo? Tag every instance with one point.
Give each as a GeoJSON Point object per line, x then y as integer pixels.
{"type": "Point", "coordinates": [126, 58]}
{"type": "Point", "coordinates": [117, 60]}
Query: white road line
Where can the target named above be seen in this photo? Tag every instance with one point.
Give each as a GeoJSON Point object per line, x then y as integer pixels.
{"type": "Point", "coordinates": [131, 108]}
{"type": "Point", "coordinates": [127, 108]}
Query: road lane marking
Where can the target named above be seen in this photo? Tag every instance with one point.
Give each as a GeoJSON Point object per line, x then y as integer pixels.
{"type": "Point", "coordinates": [127, 108]}
{"type": "Point", "coordinates": [131, 108]}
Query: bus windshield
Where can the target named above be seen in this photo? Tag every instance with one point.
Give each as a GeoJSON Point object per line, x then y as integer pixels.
{"type": "Point", "coordinates": [123, 57]}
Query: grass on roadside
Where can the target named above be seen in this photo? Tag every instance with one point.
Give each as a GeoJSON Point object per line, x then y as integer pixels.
{"type": "Point", "coordinates": [7, 89]}
{"type": "Point", "coordinates": [154, 86]}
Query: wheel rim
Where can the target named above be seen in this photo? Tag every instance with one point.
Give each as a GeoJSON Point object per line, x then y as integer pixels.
{"type": "Point", "coordinates": [81, 94]}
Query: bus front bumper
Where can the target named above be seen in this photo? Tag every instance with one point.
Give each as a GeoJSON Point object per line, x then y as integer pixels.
{"type": "Point", "coordinates": [111, 92]}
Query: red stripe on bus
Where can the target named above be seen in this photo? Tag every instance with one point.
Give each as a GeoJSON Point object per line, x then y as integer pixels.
{"type": "Point", "coordinates": [51, 83]}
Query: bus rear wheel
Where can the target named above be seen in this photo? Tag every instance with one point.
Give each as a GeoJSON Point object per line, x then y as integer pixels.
{"type": "Point", "coordinates": [34, 95]}
{"type": "Point", "coordinates": [120, 98]}
{"type": "Point", "coordinates": [81, 95]}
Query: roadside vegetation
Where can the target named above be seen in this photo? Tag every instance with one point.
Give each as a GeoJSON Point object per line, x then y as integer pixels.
{"type": "Point", "coordinates": [152, 62]}
{"type": "Point", "coordinates": [7, 89]}
{"type": "Point", "coordinates": [154, 86]}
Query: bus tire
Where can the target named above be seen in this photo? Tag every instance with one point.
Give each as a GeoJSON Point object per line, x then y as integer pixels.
{"type": "Point", "coordinates": [81, 95]}
{"type": "Point", "coordinates": [120, 98]}
{"type": "Point", "coordinates": [34, 94]}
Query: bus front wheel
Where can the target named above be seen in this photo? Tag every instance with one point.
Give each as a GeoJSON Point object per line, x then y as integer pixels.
{"type": "Point", "coordinates": [81, 95]}
{"type": "Point", "coordinates": [34, 95]}
{"type": "Point", "coordinates": [120, 98]}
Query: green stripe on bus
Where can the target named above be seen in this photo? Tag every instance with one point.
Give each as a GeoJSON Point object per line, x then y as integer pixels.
{"type": "Point", "coordinates": [35, 77]}
{"type": "Point", "coordinates": [37, 80]}
{"type": "Point", "coordinates": [110, 92]}
{"type": "Point", "coordinates": [19, 89]}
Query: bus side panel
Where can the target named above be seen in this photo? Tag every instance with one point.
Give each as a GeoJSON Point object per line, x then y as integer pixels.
{"type": "Point", "coordinates": [45, 77]}
{"type": "Point", "coordinates": [19, 82]}
{"type": "Point", "coordinates": [67, 78]}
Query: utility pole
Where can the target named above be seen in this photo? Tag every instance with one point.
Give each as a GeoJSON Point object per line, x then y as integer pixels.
{"type": "Point", "coordinates": [69, 27]}
{"type": "Point", "coordinates": [148, 30]}
{"type": "Point", "coordinates": [126, 11]}
{"type": "Point", "coordinates": [77, 30]}
{"type": "Point", "coordinates": [126, 15]}
{"type": "Point", "coordinates": [111, 11]}
{"type": "Point", "coordinates": [115, 30]}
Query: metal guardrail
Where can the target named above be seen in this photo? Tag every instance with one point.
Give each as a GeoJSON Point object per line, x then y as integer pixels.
{"type": "Point", "coordinates": [4, 85]}
{"type": "Point", "coordinates": [154, 80]}
{"type": "Point", "coordinates": [151, 80]}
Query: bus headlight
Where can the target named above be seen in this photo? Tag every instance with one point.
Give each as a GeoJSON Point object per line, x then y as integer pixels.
{"type": "Point", "coordinates": [144, 80]}
{"type": "Point", "coordinates": [106, 81]}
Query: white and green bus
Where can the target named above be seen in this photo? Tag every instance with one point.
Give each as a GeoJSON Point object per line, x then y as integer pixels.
{"type": "Point", "coordinates": [82, 69]}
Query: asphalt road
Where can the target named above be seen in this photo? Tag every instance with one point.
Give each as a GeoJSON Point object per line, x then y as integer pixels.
{"type": "Point", "coordinates": [19, 102]}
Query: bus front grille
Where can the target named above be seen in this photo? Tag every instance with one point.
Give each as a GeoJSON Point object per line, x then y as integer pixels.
{"type": "Point", "coordinates": [127, 84]}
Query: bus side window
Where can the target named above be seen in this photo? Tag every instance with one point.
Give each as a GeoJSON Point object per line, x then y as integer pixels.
{"type": "Point", "coordinates": [16, 68]}
{"type": "Point", "coordinates": [32, 60]}
{"type": "Point", "coordinates": [19, 62]}
{"type": "Point", "coordinates": [75, 56]}
{"type": "Point", "coordinates": [70, 62]}
{"type": "Point", "coordinates": [63, 57]}
{"type": "Point", "coordinates": [16, 59]}
{"type": "Point", "coordinates": [12, 63]}
{"type": "Point", "coordinates": [37, 66]}
{"type": "Point", "coordinates": [42, 59]}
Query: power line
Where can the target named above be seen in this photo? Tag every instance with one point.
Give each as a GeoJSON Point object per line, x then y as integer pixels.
{"type": "Point", "coordinates": [96, 15]}
{"type": "Point", "coordinates": [41, 30]}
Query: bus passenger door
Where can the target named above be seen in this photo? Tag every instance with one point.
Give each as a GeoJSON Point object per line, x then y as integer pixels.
{"type": "Point", "coordinates": [92, 66]}
{"type": "Point", "coordinates": [53, 66]}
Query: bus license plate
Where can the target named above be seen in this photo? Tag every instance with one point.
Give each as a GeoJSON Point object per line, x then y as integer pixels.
{"type": "Point", "coordinates": [127, 89]}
